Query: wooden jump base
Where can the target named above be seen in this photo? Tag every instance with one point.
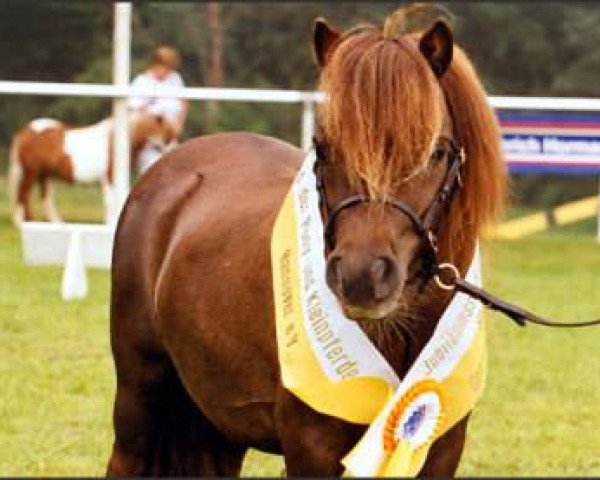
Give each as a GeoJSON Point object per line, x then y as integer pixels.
{"type": "Point", "coordinates": [74, 245]}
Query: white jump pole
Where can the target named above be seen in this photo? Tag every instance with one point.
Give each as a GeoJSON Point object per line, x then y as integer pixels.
{"type": "Point", "coordinates": [598, 221]}
{"type": "Point", "coordinates": [74, 283]}
{"type": "Point", "coordinates": [121, 71]}
{"type": "Point", "coordinates": [308, 124]}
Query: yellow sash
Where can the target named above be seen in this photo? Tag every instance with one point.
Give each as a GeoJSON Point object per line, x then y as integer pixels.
{"type": "Point", "coordinates": [330, 364]}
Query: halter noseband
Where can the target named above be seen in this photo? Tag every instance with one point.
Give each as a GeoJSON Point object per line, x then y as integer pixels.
{"type": "Point", "coordinates": [425, 227]}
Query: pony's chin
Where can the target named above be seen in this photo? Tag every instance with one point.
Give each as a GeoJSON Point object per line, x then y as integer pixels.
{"type": "Point", "coordinates": [379, 312]}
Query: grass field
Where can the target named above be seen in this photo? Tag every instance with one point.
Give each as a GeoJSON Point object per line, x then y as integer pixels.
{"type": "Point", "coordinates": [538, 415]}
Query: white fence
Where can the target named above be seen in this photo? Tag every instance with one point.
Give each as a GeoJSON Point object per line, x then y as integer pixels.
{"type": "Point", "coordinates": [265, 95]}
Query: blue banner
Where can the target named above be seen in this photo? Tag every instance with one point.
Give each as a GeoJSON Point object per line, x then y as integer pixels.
{"type": "Point", "coordinates": [551, 142]}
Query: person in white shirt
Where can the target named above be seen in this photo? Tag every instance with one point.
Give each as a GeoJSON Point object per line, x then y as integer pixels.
{"type": "Point", "coordinates": [161, 74]}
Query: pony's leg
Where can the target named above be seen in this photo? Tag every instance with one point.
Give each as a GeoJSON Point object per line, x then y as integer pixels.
{"type": "Point", "coordinates": [49, 208]}
{"type": "Point", "coordinates": [160, 431]}
{"type": "Point", "coordinates": [24, 210]}
{"type": "Point", "coordinates": [445, 453]}
{"type": "Point", "coordinates": [15, 178]}
{"type": "Point", "coordinates": [312, 444]}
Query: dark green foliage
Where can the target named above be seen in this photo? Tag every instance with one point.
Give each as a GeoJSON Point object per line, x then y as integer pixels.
{"type": "Point", "coordinates": [519, 48]}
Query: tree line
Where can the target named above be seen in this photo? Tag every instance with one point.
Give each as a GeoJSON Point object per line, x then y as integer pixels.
{"type": "Point", "coordinates": [518, 48]}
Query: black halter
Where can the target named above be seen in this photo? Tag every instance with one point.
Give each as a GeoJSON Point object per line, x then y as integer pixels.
{"type": "Point", "coordinates": [425, 227]}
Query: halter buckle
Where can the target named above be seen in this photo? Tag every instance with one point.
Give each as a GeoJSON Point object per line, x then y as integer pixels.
{"type": "Point", "coordinates": [440, 283]}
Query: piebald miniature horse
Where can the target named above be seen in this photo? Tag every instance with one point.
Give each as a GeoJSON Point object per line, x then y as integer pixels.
{"type": "Point", "coordinates": [192, 315]}
{"type": "Point", "coordinates": [47, 149]}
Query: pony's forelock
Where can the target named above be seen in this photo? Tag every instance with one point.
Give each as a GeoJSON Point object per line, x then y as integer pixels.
{"type": "Point", "coordinates": [383, 110]}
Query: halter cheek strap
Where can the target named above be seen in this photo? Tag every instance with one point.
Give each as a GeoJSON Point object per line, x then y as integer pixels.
{"type": "Point", "coordinates": [426, 227]}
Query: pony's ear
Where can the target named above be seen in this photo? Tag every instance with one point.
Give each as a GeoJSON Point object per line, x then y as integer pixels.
{"type": "Point", "coordinates": [324, 39]}
{"type": "Point", "coordinates": [437, 46]}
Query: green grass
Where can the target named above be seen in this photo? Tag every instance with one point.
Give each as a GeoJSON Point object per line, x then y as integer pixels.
{"type": "Point", "coordinates": [55, 369]}
{"type": "Point", "coordinates": [538, 415]}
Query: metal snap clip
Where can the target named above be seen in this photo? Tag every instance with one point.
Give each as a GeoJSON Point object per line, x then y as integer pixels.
{"type": "Point", "coordinates": [440, 282]}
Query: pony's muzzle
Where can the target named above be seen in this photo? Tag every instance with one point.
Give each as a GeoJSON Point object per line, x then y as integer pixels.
{"type": "Point", "coordinates": [364, 283]}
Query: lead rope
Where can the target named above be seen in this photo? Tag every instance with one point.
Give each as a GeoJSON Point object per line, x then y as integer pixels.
{"type": "Point", "coordinates": [518, 314]}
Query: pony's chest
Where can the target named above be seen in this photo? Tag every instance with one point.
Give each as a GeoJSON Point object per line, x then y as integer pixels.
{"type": "Point", "coordinates": [88, 149]}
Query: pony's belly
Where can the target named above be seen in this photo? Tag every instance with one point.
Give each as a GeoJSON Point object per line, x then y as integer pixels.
{"type": "Point", "coordinates": [88, 149]}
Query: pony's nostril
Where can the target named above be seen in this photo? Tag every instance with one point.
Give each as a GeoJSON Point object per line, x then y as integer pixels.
{"type": "Point", "coordinates": [361, 281]}
{"type": "Point", "coordinates": [385, 277]}
{"type": "Point", "coordinates": [379, 269]}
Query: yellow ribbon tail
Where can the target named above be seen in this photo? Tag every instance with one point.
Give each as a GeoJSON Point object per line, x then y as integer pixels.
{"type": "Point", "coordinates": [399, 462]}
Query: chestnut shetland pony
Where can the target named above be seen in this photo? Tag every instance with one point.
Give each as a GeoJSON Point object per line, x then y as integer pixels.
{"type": "Point", "coordinates": [192, 315]}
{"type": "Point", "coordinates": [47, 149]}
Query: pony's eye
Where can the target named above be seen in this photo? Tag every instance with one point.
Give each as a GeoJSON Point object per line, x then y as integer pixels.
{"type": "Point", "coordinates": [438, 154]}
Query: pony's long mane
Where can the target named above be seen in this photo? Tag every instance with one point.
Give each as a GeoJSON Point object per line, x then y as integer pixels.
{"type": "Point", "coordinates": [476, 128]}
{"type": "Point", "coordinates": [383, 112]}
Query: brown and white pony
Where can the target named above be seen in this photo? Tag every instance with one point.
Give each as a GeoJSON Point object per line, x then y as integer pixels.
{"type": "Point", "coordinates": [192, 315]}
{"type": "Point", "coordinates": [46, 149]}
